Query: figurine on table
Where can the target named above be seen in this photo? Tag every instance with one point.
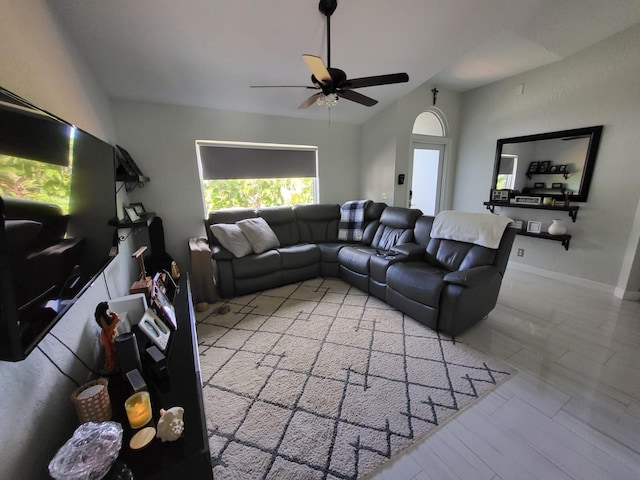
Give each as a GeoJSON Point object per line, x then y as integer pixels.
{"type": "Point", "coordinates": [108, 322]}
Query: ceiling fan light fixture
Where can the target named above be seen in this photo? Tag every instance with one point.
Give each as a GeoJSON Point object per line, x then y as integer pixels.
{"type": "Point", "coordinates": [328, 100]}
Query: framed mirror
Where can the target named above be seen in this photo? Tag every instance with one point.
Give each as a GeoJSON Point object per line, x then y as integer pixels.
{"type": "Point", "coordinates": [550, 164]}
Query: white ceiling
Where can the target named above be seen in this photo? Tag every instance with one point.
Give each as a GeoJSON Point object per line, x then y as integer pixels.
{"type": "Point", "coordinates": [208, 53]}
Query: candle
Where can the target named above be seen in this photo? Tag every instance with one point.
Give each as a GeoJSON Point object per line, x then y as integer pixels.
{"type": "Point", "coordinates": [138, 408]}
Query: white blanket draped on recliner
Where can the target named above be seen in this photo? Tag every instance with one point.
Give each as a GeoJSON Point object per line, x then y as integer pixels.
{"type": "Point", "coordinates": [484, 229]}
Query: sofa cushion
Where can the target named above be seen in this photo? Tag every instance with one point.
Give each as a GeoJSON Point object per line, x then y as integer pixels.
{"type": "Point", "coordinates": [396, 226]}
{"type": "Point", "coordinates": [231, 237]}
{"type": "Point", "coordinates": [226, 215]}
{"type": "Point", "coordinates": [417, 281]}
{"type": "Point", "coordinates": [453, 255]}
{"type": "Point", "coordinates": [317, 222]}
{"type": "Point", "coordinates": [20, 234]}
{"type": "Point", "coordinates": [256, 265]}
{"type": "Point", "coordinates": [296, 256]}
{"type": "Point", "coordinates": [356, 258]}
{"type": "Point", "coordinates": [282, 221]}
{"type": "Point", "coordinates": [259, 234]}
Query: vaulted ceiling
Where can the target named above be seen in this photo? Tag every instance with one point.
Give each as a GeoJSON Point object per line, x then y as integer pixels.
{"type": "Point", "coordinates": [207, 53]}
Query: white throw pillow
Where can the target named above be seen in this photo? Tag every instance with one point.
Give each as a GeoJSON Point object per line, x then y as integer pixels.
{"type": "Point", "coordinates": [259, 234]}
{"type": "Point", "coordinates": [231, 237]}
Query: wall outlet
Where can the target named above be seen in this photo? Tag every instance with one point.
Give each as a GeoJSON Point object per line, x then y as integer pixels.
{"type": "Point", "coordinates": [385, 196]}
{"type": "Point", "coordinates": [521, 252]}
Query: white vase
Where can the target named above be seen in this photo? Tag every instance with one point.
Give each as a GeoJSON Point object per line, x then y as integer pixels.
{"type": "Point", "coordinates": [557, 227]}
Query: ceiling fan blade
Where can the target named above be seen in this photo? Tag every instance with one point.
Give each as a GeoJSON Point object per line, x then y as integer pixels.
{"type": "Point", "coordinates": [317, 67]}
{"type": "Point", "coordinates": [357, 97]}
{"type": "Point", "coordinates": [375, 80]}
{"type": "Point", "coordinates": [311, 100]}
{"type": "Point", "coordinates": [284, 86]}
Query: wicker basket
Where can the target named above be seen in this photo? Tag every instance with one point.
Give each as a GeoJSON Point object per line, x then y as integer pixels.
{"type": "Point", "coordinates": [92, 402]}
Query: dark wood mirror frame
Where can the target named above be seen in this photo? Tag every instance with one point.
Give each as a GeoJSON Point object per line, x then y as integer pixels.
{"type": "Point", "coordinates": [566, 166]}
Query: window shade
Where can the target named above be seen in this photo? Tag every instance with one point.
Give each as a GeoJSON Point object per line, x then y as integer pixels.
{"type": "Point", "coordinates": [506, 166]}
{"type": "Point", "coordinates": [220, 163]}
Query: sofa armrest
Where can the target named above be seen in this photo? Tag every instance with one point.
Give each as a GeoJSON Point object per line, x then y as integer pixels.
{"type": "Point", "coordinates": [412, 251]}
{"type": "Point", "coordinates": [221, 253]}
{"type": "Point", "coordinates": [471, 277]}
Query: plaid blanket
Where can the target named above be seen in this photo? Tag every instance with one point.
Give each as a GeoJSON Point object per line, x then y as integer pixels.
{"type": "Point", "coordinates": [351, 226]}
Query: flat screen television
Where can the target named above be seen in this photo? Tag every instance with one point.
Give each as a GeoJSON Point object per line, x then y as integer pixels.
{"type": "Point", "coordinates": [57, 195]}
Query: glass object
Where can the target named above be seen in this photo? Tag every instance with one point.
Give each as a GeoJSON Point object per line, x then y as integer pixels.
{"type": "Point", "coordinates": [138, 408]}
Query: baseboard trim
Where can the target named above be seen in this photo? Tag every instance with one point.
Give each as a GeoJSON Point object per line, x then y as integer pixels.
{"type": "Point", "coordinates": [563, 277]}
{"type": "Point", "coordinates": [631, 295]}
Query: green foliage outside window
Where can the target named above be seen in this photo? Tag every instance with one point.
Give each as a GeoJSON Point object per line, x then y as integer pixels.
{"type": "Point", "coordinates": [45, 182]}
{"type": "Point", "coordinates": [257, 193]}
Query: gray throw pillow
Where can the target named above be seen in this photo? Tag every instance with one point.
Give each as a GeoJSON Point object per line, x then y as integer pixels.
{"type": "Point", "coordinates": [231, 237]}
{"type": "Point", "coordinates": [259, 234]}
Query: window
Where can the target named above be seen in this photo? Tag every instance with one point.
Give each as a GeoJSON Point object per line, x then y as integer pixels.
{"type": "Point", "coordinates": [256, 175]}
{"type": "Point", "coordinates": [507, 172]}
{"type": "Point", "coordinates": [428, 123]}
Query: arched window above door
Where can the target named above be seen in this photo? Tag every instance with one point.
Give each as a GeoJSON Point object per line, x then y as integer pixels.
{"type": "Point", "coordinates": [428, 123]}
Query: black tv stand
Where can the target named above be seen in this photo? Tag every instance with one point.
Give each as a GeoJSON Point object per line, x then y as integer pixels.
{"type": "Point", "coordinates": [187, 457]}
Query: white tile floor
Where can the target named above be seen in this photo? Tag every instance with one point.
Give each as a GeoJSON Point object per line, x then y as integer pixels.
{"type": "Point", "coordinates": [572, 411]}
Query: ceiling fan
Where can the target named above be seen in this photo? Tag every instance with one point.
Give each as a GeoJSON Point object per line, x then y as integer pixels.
{"type": "Point", "coordinates": [333, 82]}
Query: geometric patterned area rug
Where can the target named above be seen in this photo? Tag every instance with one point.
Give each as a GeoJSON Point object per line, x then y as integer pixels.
{"type": "Point", "coordinates": [318, 380]}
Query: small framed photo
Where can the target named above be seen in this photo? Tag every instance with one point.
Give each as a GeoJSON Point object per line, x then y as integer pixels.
{"type": "Point", "coordinates": [161, 302]}
{"type": "Point", "coordinates": [139, 208]}
{"type": "Point", "coordinates": [539, 185]}
{"type": "Point", "coordinates": [500, 195]}
{"type": "Point", "coordinates": [556, 185]}
{"type": "Point", "coordinates": [554, 168]}
{"type": "Point", "coordinates": [131, 213]}
{"type": "Point", "coordinates": [533, 226]}
{"type": "Point", "coordinates": [533, 167]}
{"type": "Point", "coordinates": [544, 166]}
{"type": "Point", "coordinates": [517, 224]}
{"type": "Point", "coordinates": [562, 168]}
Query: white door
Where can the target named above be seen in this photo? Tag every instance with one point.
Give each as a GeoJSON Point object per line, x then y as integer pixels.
{"type": "Point", "coordinates": [426, 177]}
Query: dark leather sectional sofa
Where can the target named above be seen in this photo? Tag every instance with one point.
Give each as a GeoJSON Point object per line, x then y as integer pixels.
{"type": "Point", "coordinates": [446, 284]}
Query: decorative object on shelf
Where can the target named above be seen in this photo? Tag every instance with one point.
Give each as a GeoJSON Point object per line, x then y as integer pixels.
{"type": "Point", "coordinates": [554, 168]}
{"type": "Point", "coordinates": [170, 424]}
{"type": "Point", "coordinates": [533, 167]}
{"type": "Point", "coordinates": [500, 195]}
{"type": "Point", "coordinates": [139, 208]}
{"type": "Point", "coordinates": [524, 200]}
{"type": "Point", "coordinates": [89, 453]}
{"type": "Point", "coordinates": [517, 224]}
{"type": "Point", "coordinates": [548, 201]}
{"type": "Point", "coordinates": [556, 185]}
{"type": "Point", "coordinates": [92, 401]}
{"type": "Point", "coordinates": [533, 226]}
{"type": "Point", "coordinates": [567, 197]}
{"type": "Point", "coordinates": [108, 322]}
{"type": "Point", "coordinates": [544, 166]}
{"type": "Point", "coordinates": [142, 438]}
{"type": "Point", "coordinates": [138, 409]}
{"type": "Point", "coordinates": [155, 329]}
{"type": "Point", "coordinates": [562, 169]}
{"type": "Point", "coordinates": [557, 227]}
{"type": "Point", "coordinates": [144, 284]}
{"type": "Point", "coordinates": [539, 185]}
{"type": "Point", "coordinates": [132, 215]}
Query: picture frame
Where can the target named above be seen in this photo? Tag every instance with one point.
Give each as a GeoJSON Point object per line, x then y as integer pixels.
{"type": "Point", "coordinates": [544, 166]}
{"type": "Point", "coordinates": [534, 226]}
{"type": "Point", "coordinates": [132, 215]}
{"type": "Point", "coordinates": [500, 195]}
{"type": "Point", "coordinates": [517, 224]}
{"type": "Point", "coordinates": [533, 167]}
{"type": "Point", "coordinates": [562, 168]}
{"type": "Point", "coordinates": [524, 200]}
{"type": "Point", "coordinates": [556, 185]}
{"type": "Point", "coordinates": [554, 168]}
{"type": "Point", "coordinates": [539, 185]}
{"type": "Point", "coordinates": [163, 306]}
{"type": "Point", "coordinates": [139, 208]}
